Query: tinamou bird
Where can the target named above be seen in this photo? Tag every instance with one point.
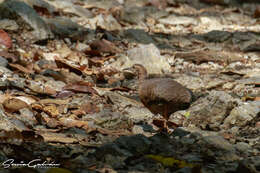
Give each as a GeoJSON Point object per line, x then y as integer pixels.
{"type": "Point", "coordinates": [161, 95]}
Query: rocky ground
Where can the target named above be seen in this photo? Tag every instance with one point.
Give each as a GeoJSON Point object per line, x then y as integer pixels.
{"type": "Point", "coordinates": [67, 105]}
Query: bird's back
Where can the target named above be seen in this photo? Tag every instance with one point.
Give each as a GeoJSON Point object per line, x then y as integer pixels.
{"type": "Point", "coordinates": [159, 94]}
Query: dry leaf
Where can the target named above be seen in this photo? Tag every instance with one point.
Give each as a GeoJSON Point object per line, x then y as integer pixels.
{"type": "Point", "coordinates": [11, 57]}
{"type": "Point", "coordinates": [51, 110]}
{"type": "Point", "coordinates": [73, 68]}
{"type": "Point", "coordinates": [13, 104]}
{"type": "Point", "coordinates": [5, 39]}
{"type": "Point", "coordinates": [69, 122]}
{"type": "Point", "coordinates": [58, 137]}
{"type": "Point", "coordinates": [21, 68]}
{"type": "Point", "coordinates": [102, 46]}
{"type": "Point", "coordinates": [84, 87]}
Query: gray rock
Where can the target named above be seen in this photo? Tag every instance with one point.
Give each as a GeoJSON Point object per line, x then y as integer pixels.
{"type": "Point", "coordinates": [116, 162]}
{"type": "Point", "coordinates": [26, 17]}
{"type": "Point", "coordinates": [133, 109]}
{"type": "Point", "coordinates": [243, 147]}
{"type": "Point", "coordinates": [3, 62]}
{"type": "Point", "coordinates": [178, 20]}
{"type": "Point", "coordinates": [108, 120]}
{"type": "Point", "coordinates": [147, 55]}
{"type": "Point", "coordinates": [218, 147]}
{"type": "Point", "coordinates": [209, 112]}
{"type": "Point", "coordinates": [139, 36]}
{"type": "Point", "coordinates": [251, 164]}
{"type": "Point", "coordinates": [184, 170]}
{"type": "Point", "coordinates": [133, 15]}
{"type": "Point", "coordinates": [42, 4]}
{"type": "Point", "coordinates": [8, 25]}
{"type": "Point", "coordinates": [70, 7]}
{"type": "Point", "coordinates": [217, 36]}
{"type": "Point", "coordinates": [65, 28]}
{"type": "Point", "coordinates": [241, 115]}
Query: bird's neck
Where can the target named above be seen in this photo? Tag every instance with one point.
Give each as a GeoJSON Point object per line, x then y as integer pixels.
{"type": "Point", "coordinates": [142, 74]}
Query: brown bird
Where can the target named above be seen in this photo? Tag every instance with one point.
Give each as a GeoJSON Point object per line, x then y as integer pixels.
{"type": "Point", "coordinates": [161, 95]}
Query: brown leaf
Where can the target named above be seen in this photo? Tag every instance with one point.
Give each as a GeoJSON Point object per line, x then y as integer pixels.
{"type": "Point", "coordinates": [64, 94]}
{"type": "Point", "coordinates": [50, 122]}
{"type": "Point", "coordinates": [69, 122]}
{"type": "Point", "coordinates": [12, 57]}
{"type": "Point", "coordinates": [13, 104]}
{"type": "Point", "coordinates": [21, 68]}
{"type": "Point", "coordinates": [51, 110]}
{"type": "Point", "coordinates": [5, 39]}
{"type": "Point", "coordinates": [54, 101]}
{"type": "Point", "coordinates": [198, 57]}
{"type": "Point", "coordinates": [102, 46]}
{"type": "Point", "coordinates": [58, 137]}
{"type": "Point", "coordinates": [88, 108]}
{"type": "Point", "coordinates": [84, 87]}
{"type": "Point", "coordinates": [49, 91]}
{"type": "Point", "coordinates": [76, 69]}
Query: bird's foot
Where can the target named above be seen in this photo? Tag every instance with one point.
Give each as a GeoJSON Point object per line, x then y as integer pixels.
{"type": "Point", "coordinates": [162, 125]}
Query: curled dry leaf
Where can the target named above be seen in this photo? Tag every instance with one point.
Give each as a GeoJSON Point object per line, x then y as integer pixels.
{"type": "Point", "coordinates": [5, 39]}
{"type": "Point", "coordinates": [73, 68]}
{"type": "Point", "coordinates": [51, 110]}
{"type": "Point", "coordinates": [10, 56]}
{"type": "Point", "coordinates": [102, 46]}
{"type": "Point", "coordinates": [84, 87]}
{"type": "Point", "coordinates": [13, 104]}
{"type": "Point", "coordinates": [50, 122]}
{"type": "Point", "coordinates": [21, 68]}
{"type": "Point", "coordinates": [58, 137]}
{"type": "Point", "coordinates": [64, 94]}
{"type": "Point", "coordinates": [87, 108]}
{"type": "Point", "coordinates": [69, 122]}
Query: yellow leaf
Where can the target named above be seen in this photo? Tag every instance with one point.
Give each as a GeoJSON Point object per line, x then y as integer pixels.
{"type": "Point", "coordinates": [170, 161]}
{"type": "Point", "coordinates": [187, 114]}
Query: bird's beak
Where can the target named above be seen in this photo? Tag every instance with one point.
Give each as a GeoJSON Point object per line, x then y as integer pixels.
{"type": "Point", "coordinates": [129, 72]}
{"type": "Point", "coordinates": [128, 69]}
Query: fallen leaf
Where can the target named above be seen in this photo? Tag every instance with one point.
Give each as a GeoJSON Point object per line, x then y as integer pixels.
{"type": "Point", "coordinates": [102, 46]}
{"type": "Point", "coordinates": [87, 108]}
{"type": "Point", "coordinates": [21, 68]}
{"type": "Point", "coordinates": [171, 161]}
{"type": "Point", "coordinates": [13, 104]}
{"type": "Point", "coordinates": [69, 122]}
{"type": "Point", "coordinates": [5, 39]}
{"type": "Point", "coordinates": [72, 68]}
{"type": "Point", "coordinates": [84, 87]}
{"type": "Point", "coordinates": [10, 56]}
{"type": "Point", "coordinates": [51, 110]}
{"type": "Point", "coordinates": [50, 122]}
{"type": "Point", "coordinates": [58, 137]}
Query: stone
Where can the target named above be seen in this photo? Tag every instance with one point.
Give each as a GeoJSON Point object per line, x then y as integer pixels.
{"type": "Point", "coordinates": [241, 115]}
{"type": "Point", "coordinates": [26, 16]}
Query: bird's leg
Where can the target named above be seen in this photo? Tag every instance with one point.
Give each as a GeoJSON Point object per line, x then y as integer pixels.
{"type": "Point", "coordinates": [165, 115]}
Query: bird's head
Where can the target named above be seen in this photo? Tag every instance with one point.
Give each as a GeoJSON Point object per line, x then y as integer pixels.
{"type": "Point", "coordinates": [138, 70]}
